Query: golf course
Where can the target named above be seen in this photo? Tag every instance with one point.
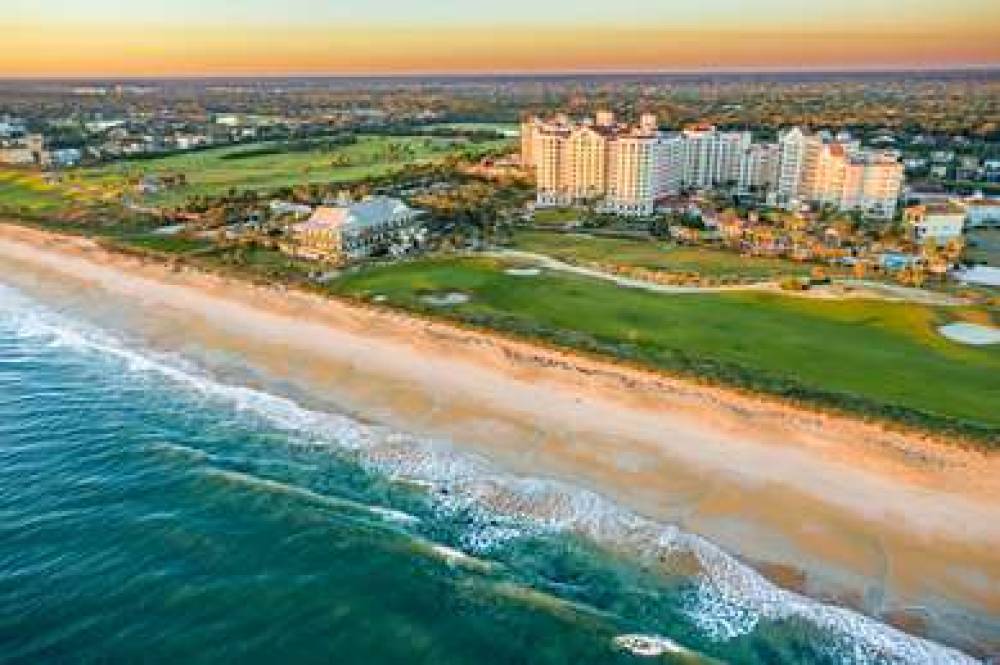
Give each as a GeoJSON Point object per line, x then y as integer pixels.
{"type": "Point", "coordinates": [871, 356]}
{"type": "Point", "coordinates": [263, 167]}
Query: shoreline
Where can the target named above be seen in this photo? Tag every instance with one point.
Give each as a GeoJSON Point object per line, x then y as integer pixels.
{"type": "Point", "coordinates": [871, 506]}
{"type": "Point", "coordinates": [940, 430]}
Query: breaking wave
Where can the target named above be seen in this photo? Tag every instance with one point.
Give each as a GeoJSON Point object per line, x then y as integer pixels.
{"type": "Point", "coordinates": [726, 600]}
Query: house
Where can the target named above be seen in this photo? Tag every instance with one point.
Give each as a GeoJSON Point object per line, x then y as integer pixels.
{"type": "Point", "coordinates": [149, 184]}
{"type": "Point", "coordinates": [940, 221]}
{"type": "Point", "coordinates": [65, 157]}
{"type": "Point", "coordinates": [991, 170]}
{"type": "Point", "coordinates": [503, 167]}
{"type": "Point", "coordinates": [299, 210]}
{"type": "Point", "coordinates": [23, 150]}
{"type": "Point", "coordinates": [982, 212]}
{"type": "Point", "coordinates": [981, 275]}
{"type": "Point", "coordinates": [968, 168]}
{"type": "Point", "coordinates": [355, 230]}
{"type": "Point", "coordinates": [893, 261]}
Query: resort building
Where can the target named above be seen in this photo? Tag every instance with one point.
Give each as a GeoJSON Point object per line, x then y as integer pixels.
{"type": "Point", "coordinates": [612, 166]}
{"type": "Point", "coordinates": [760, 168]}
{"type": "Point", "coordinates": [634, 175]}
{"type": "Point", "coordinates": [585, 169]}
{"type": "Point", "coordinates": [352, 231]}
{"type": "Point", "coordinates": [872, 182]}
{"type": "Point", "coordinates": [626, 169]}
{"type": "Point", "coordinates": [711, 158]}
{"type": "Point", "coordinates": [798, 151]}
{"type": "Point", "coordinates": [816, 170]}
{"type": "Point", "coordinates": [938, 221]}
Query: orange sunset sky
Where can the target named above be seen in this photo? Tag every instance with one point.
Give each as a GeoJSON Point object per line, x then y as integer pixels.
{"type": "Point", "coordinates": [250, 37]}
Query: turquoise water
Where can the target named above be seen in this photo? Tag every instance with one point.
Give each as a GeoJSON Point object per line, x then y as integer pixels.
{"type": "Point", "coordinates": [151, 512]}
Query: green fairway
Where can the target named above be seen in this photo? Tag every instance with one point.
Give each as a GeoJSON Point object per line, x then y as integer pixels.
{"type": "Point", "coordinates": [558, 217]}
{"type": "Point", "coordinates": [505, 128]}
{"type": "Point", "coordinates": [882, 358]}
{"type": "Point", "coordinates": [254, 167]}
{"type": "Point", "coordinates": [654, 255]}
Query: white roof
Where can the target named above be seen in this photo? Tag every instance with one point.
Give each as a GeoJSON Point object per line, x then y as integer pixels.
{"type": "Point", "coordinates": [982, 275]}
{"type": "Point", "coordinates": [356, 216]}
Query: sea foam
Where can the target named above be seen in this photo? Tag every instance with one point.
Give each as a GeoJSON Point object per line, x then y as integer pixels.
{"type": "Point", "coordinates": [727, 600]}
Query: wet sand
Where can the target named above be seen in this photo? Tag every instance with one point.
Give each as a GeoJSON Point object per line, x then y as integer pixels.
{"type": "Point", "coordinates": [897, 524]}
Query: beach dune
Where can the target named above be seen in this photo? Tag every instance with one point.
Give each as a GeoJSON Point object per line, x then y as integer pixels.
{"type": "Point", "coordinates": [898, 524]}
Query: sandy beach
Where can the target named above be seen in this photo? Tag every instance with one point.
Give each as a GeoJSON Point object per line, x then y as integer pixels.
{"type": "Point", "coordinates": [898, 524]}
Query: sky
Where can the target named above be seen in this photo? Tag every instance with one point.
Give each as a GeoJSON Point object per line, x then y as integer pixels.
{"type": "Point", "coordinates": [285, 37]}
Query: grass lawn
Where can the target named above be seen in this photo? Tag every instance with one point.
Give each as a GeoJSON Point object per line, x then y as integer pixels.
{"type": "Point", "coordinates": [27, 192]}
{"type": "Point", "coordinates": [872, 356]}
{"type": "Point", "coordinates": [654, 255]}
{"type": "Point", "coordinates": [215, 171]}
{"type": "Point", "coordinates": [506, 128]}
{"type": "Point", "coordinates": [556, 216]}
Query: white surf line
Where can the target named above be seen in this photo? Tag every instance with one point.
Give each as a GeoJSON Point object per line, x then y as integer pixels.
{"type": "Point", "coordinates": [731, 599]}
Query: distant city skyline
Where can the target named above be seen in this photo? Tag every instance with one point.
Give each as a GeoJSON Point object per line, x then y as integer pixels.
{"type": "Point", "coordinates": [262, 37]}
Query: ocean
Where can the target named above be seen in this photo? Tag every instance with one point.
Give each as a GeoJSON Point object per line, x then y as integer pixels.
{"type": "Point", "coordinates": [151, 510]}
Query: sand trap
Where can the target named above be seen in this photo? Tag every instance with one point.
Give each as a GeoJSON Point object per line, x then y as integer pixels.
{"type": "Point", "coordinates": [327, 276]}
{"type": "Point", "coordinates": [524, 272]}
{"type": "Point", "coordinates": [446, 299]}
{"type": "Point", "coordinates": [971, 333]}
{"type": "Point", "coordinates": [171, 230]}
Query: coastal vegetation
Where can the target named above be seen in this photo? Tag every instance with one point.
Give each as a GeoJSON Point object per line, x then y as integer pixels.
{"type": "Point", "coordinates": [872, 357]}
{"type": "Point", "coordinates": [875, 358]}
{"type": "Point", "coordinates": [665, 257]}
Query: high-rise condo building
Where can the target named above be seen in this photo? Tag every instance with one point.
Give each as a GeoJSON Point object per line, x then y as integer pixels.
{"type": "Point", "coordinates": [712, 158]}
{"type": "Point", "coordinates": [614, 166]}
{"type": "Point", "coordinates": [817, 170]}
{"type": "Point", "coordinates": [760, 168]}
{"type": "Point", "coordinates": [626, 168]}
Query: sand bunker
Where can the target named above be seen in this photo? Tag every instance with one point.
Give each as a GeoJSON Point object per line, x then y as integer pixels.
{"type": "Point", "coordinates": [971, 333]}
{"type": "Point", "coordinates": [170, 230]}
{"type": "Point", "coordinates": [524, 272]}
{"type": "Point", "coordinates": [446, 299]}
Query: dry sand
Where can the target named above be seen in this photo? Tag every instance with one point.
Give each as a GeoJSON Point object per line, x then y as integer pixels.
{"type": "Point", "coordinates": [884, 520]}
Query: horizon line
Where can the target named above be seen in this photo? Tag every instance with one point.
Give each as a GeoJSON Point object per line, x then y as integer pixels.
{"type": "Point", "coordinates": [824, 69]}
